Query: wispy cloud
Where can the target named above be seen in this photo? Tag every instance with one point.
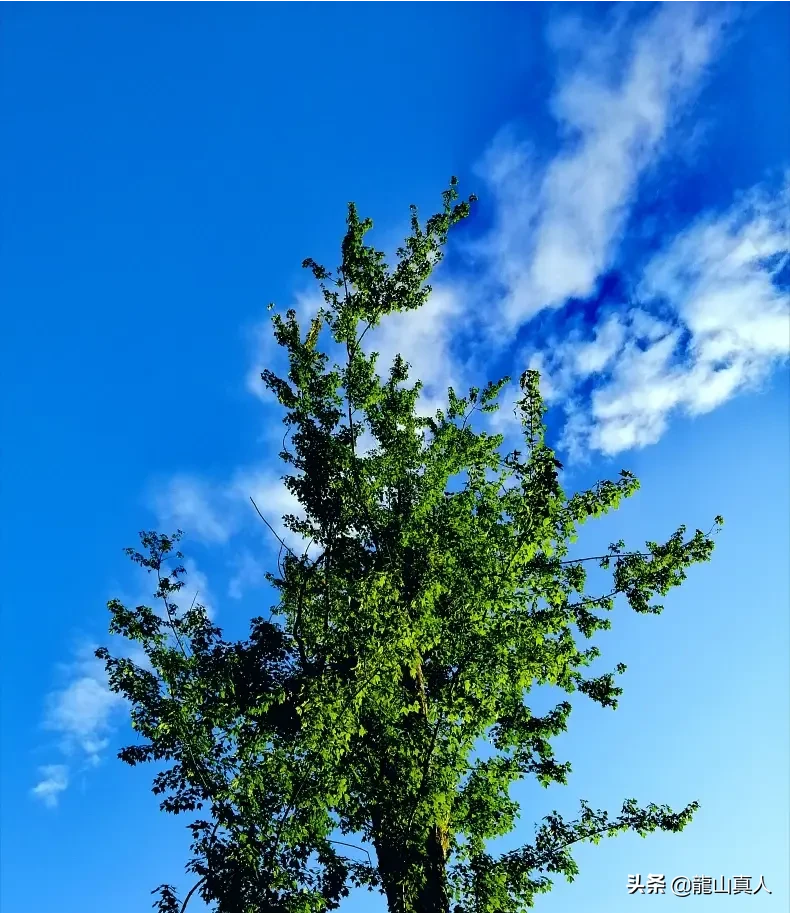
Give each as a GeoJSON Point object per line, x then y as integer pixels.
{"type": "Point", "coordinates": [274, 501]}
{"type": "Point", "coordinates": [196, 589]}
{"type": "Point", "coordinates": [189, 502]}
{"type": "Point", "coordinates": [558, 223]}
{"type": "Point", "coordinates": [212, 512]}
{"type": "Point", "coordinates": [708, 315]}
{"type": "Point", "coordinates": [724, 324]}
{"type": "Point", "coordinates": [81, 711]}
{"type": "Point", "coordinates": [248, 573]}
{"type": "Point", "coordinates": [81, 715]}
{"type": "Point", "coordinates": [425, 338]}
{"type": "Point", "coordinates": [54, 779]}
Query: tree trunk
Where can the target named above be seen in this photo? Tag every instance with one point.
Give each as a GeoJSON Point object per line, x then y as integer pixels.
{"type": "Point", "coordinates": [396, 863]}
{"type": "Point", "coordinates": [433, 897]}
{"type": "Point", "coordinates": [391, 870]}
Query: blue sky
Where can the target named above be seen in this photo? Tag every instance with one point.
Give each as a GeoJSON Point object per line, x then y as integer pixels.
{"type": "Point", "coordinates": [167, 167]}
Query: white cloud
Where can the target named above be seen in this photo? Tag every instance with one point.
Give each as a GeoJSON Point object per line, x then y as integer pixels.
{"type": "Point", "coordinates": [709, 317]}
{"type": "Point", "coordinates": [563, 363]}
{"type": "Point", "coordinates": [631, 410]}
{"type": "Point", "coordinates": [720, 276]}
{"type": "Point", "coordinates": [189, 503]}
{"type": "Point", "coordinates": [558, 226]}
{"type": "Point", "coordinates": [195, 590]}
{"type": "Point", "coordinates": [213, 512]}
{"type": "Point", "coordinates": [424, 338]}
{"type": "Point", "coordinates": [249, 573]}
{"type": "Point", "coordinates": [592, 357]}
{"type": "Point", "coordinates": [54, 780]}
{"type": "Point", "coordinates": [81, 712]}
{"type": "Point", "coordinates": [730, 325]}
{"type": "Point", "coordinates": [139, 657]}
{"type": "Point", "coordinates": [266, 488]}
{"type": "Point", "coordinates": [274, 501]}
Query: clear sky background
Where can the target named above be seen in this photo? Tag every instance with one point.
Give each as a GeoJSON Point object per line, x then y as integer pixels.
{"type": "Point", "coordinates": [165, 169]}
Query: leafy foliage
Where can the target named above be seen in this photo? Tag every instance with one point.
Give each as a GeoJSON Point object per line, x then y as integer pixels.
{"type": "Point", "coordinates": [435, 593]}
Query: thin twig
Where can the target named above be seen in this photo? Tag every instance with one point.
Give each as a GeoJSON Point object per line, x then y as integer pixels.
{"type": "Point", "coordinates": [272, 529]}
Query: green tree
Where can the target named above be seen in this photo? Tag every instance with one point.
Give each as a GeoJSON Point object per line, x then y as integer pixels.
{"type": "Point", "coordinates": [434, 594]}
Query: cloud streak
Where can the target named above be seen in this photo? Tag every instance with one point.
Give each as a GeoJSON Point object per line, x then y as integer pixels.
{"type": "Point", "coordinates": [80, 712]}
{"type": "Point", "coordinates": [558, 225]}
{"type": "Point", "coordinates": [189, 502]}
{"type": "Point", "coordinates": [54, 779]}
{"type": "Point", "coordinates": [725, 323]}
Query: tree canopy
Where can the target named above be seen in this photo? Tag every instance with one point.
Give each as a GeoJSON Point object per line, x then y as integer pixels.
{"type": "Point", "coordinates": [383, 702]}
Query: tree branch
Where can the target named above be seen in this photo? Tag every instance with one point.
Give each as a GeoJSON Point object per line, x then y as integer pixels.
{"type": "Point", "coordinates": [191, 892]}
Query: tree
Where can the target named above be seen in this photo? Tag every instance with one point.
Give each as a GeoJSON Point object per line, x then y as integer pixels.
{"type": "Point", "coordinates": [434, 592]}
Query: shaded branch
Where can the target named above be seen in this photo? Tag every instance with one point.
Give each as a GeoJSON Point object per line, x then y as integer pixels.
{"type": "Point", "coordinates": [191, 892]}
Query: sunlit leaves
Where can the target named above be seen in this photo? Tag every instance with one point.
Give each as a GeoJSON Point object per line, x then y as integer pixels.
{"type": "Point", "coordinates": [388, 702]}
